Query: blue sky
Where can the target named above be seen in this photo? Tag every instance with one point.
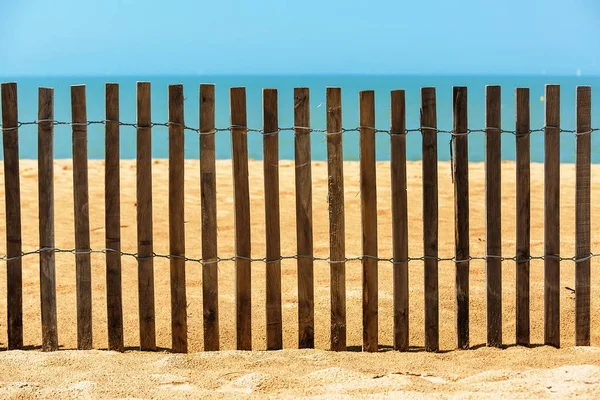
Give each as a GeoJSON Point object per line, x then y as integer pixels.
{"type": "Point", "coordinates": [124, 37]}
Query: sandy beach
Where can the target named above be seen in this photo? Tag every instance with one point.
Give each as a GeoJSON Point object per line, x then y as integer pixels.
{"type": "Point", "coordinates": [482, 372]}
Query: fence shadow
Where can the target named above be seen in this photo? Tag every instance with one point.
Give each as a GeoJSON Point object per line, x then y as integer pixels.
{"type": "Point", "coordinates": [418, 349]}
{"type": "Point", "coordinates": [387, 348]}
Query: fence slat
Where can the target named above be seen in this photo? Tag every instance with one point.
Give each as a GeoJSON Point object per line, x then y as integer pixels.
{"type": "Point", "coordinates": [144, 218]}
{"type": "Point", "coordinates": [176, 220]}
{"type": "Point", "coordinates": [10, 141]}
{"type": "Point", "coordinates": [304, 227]}
{"type": "Point", "coordinates": [241, 202]}
{"type": "Point", "coordinates": [114, 302]}
{"type": "Point", "coordinates": [523, 217]}
{"type": "Point", "coordinates": [337, 246]}
{"type": "Point", "coordinates": [461, 214]}
{"type": "Point", "coordinates": [582, 216]}
{"type": "Point", "coordinates": [208, 190]}
{"type": "Point", "coordinates": [430, 217]}
{"type": "Point", "coordinates": [493, 216]}
{"type": "Point", "coordinates": [46, 218]}
{"type": "Point", "coordinates": [552, 217]}
{"type": "Point", "coordinates": [273, 240]}
{"type": "Point", "coordinates": [82, 218]}
{"type": "Point", "coordinates": [368, 193]}
{"type": "Point", "coordinates": [399, 218]}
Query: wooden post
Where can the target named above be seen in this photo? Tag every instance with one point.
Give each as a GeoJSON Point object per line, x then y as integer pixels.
{"type": "Point", "coordinates": [210, 271]}
{"type": "Point", "coordinates": [114, 303]}
{"type": "Point", "coordinates": [461, 213]}
{"type": "Point", "coordinates": [368, 208]}
{"type": "Point", "coordinates": [430, 216]}
{"type": "Point", "coordinates": [176, 220]}
{"type": "Point", "coordinates": [273, 243]}
{"type": "Point", "coordinates": [241, 203]}
{"type": "Point", "coordinates": [523, 216]}
{"type": "Point", "coordinates": [82, 218]}
{"type": "Point", "coordinates": [337, 246]}
{"type": "Point", "coordinates": [552, 217]}
{"type": "Point", "coordinates": [582, 216]}
{"type": "Point", "coordinates": [493, 229]}
{"type": "Point", "coordinates": [144, 219]}
{"type": "Point", "coordinates": [399, 218]}
{"type": "Point", "coordinates": [46, 221]}
{"type": "Point", "coordinates": [10, 141]}
{"type": "Point", "coordinates": [304, 227]}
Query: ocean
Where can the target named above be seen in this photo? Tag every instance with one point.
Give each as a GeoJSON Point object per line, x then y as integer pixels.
{"type": "Point", "coordinates": [350, 86]}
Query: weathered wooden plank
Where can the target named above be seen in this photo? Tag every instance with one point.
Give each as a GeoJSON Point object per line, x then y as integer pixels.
{"type": "Point", "coordinates": [523, 217]}
{"type": "Point", "coordinates": [82, 218]}
{"type": "Point", "coordinates": [304, 224]}
{"type": "Point", "coordinates": [493, 216]}
{"type": "Point", "coordinates": [337, 244]}
{"type": "Point", "coordinates": [461, 214]}
{"type": "Point", "coordinates": [399, 219]}
{"type": "Point", "coordinates": [241, 202]}
{"type": "Point", "coordinates": [176, 220]}
{"type": "Point", "coordinates": [368, 208]}
{"type": "Point", "coordinates": [144, 218]}
{"type": "Point", "coordinates": [12, 195]}
{"type": "Point", "coordinates": [208, 193]}
{"type": "Point", "coordinates": [46, 219]}
{"type": "Point", "coordinates": [430, 216]}
{"type": "Point", "coordinates": [582, 216]}
{"type": "Point", "coordinates": [272, 220]}
{"type": "Point", "coordinates": [114, 302]}
{"type": "Point", "coordinates": [552, 217]}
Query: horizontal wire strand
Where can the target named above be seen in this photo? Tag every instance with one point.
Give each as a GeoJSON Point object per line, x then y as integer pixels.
{"type": "Point", "coordinates": [294, 128]}
{"type": "Point", "coordinates": [297, 256]}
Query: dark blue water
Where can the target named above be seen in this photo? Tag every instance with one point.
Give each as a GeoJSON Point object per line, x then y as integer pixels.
{"type": "Point", "coordinates": [351, 85]}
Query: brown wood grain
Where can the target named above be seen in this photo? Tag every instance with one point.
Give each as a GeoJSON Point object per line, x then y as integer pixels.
{"type": "Point", "coordinates": [176, 220]}
{"type": "Point", "coordinates": [82, 218]}
{"type": "Point", "coordinates": [582, 216]}
{"type": "Point", "coordinates": [368, 208]}
{"type": "Point", "coordinates": [461, 214]}
{"type": "Point", "coordinates": [114, 297]}
{"type": "Point", "coordinates": [144, 218]}
{"type": "Point", "coordinates": [337, 244]}
{"type": "Point", "coordinates": [399, 219]}
{"type": "Point", "coordinates": [493, 215]}
{"type": "Point", "coordinates": [241, 203]}
{"type": "Point", "coordinates": [208, 193]}
{"type": "Point", "coordinates": [272, 219]}
{"type": "Point", "coordinates": [552, 216]}
{"type": "Point", "coordinates": [430, 216]}
{"type": "Point", "coordinates": [523, 217]}
{"type": "Point", "coordinates": [46, 219]}
{"type": "Point", "coordinates": [304, 224]}
{"type": "Point", "coordinates": [12, 195]}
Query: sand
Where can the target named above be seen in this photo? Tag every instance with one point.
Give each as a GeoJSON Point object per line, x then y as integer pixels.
{"type": "Point", "coordinates": [539, 371]}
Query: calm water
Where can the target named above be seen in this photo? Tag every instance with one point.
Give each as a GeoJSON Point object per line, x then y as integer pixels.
{"type": "Point", "coordinates": [27, 94]}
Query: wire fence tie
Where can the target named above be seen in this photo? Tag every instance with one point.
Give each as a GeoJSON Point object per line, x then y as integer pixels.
{"type": "Point", "coordinates": [81, 251]}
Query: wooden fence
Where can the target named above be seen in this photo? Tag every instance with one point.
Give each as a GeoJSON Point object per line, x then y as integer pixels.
{"type": "Point", "coordinates": [305, 256]}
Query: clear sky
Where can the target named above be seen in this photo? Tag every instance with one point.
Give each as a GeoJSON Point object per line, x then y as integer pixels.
{"type": "Point", "coordinates": [124, 37]}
